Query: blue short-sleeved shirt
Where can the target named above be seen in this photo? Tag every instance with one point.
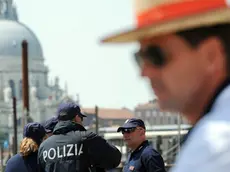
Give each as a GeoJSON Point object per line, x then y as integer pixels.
{"type": "Point", "coordinates": [144, 159]}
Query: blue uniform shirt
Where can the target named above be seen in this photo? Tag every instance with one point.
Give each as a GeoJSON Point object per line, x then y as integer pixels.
{"type": "Point", "coordinates": [144, 159]}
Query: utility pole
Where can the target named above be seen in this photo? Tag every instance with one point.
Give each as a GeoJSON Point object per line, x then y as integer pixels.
{"type": "Point", "coordinates": [1, 155]}
{"type": "Point", "coordinates": [25, 84]}
{"type": "Point", "coordinates": [15, 141]}
{"type": "Point", "coordinates": [78, 99]}
{"type": "Point", "coordinates": [96, 117]}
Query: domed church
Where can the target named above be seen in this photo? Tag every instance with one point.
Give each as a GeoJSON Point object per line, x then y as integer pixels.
{"type": "Point", "coordinates": [44, 97]}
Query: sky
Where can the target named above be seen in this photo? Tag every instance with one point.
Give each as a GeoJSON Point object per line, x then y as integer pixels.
{"type": "Point", "coordinates": [69, 32]}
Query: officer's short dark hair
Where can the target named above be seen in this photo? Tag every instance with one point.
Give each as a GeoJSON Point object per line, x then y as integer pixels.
{"type": "Point", "coordinates": [196, 35]}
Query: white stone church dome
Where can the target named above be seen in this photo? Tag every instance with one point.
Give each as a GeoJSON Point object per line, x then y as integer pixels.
{"type": "Point", "coordinates": [12, 33]}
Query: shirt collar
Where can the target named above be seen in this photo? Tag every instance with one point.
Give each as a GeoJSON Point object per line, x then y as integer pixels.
{"type": "Point", "coordinates": [143, 144]}
{"type": "Point", "coordinates": [211, 104]}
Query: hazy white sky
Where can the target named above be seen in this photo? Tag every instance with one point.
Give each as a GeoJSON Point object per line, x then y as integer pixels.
{"type": "Point", "coordinates": [69, 31]}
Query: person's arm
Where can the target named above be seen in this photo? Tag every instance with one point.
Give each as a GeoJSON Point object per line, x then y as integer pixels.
{"type": "Point", "coordinates": [40, 168]}
{"type": "Point", "coordinates": [39, 162]}
{"type": "Point", "coordinates": [9, 167]}
{"type": "Point", "coordinates": [101, 153]}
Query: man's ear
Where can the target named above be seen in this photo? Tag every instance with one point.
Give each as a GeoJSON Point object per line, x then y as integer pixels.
{"type": "Point", "coordinates": [142, 132]}
{"type": "Point", "coordinates": [212, 53]}
{"type": "Point", "coordinates": [75, 119]}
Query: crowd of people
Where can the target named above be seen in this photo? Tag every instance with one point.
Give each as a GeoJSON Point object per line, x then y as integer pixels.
{"type": "Point", "coordinates": [63, 144]}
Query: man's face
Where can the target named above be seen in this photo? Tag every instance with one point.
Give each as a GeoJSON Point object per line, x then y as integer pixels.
{"type": "Point", "coordinates": [179, 79]}
{"type": "Point", "coordinates": [79, 119]}
{"type": "Point", "coordinates": [132, 136]}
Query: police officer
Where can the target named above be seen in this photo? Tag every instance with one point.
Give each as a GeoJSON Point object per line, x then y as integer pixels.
{"type": "Point", "coordinates": [142, 157]}
{"type": "Point", "coordinates": [50, 124]}
{"type": "Point", "coordinates": [26, 160]}
{"type": "Point", "coordinates": [71, 148]}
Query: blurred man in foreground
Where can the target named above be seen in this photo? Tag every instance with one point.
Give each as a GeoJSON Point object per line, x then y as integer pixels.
{"type": "Point", "coordinates": [184, 52]}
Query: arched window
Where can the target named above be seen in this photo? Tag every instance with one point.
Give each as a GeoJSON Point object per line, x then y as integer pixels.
{"type": "Point", "coordinates": [12, 86]}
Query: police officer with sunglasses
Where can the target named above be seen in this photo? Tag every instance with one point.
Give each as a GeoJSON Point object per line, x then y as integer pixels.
{"type": "Point", "coordinates": [143, 157]}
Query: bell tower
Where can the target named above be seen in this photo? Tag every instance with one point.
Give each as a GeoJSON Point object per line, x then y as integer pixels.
{"type": "Point", "coordinates": [8, 10]}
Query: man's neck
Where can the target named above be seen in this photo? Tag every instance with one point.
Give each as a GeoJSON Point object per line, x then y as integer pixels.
{"type": "Point", "coordinates": [135, 147]}
{"type": "Point", "coordinates": [205, 100]}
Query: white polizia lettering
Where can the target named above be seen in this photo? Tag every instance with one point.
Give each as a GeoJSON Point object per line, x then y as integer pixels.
{"type": "Point", "coordinates": [58, 153]}
{"type": "Point", "coordinates": [79, 151]}
{"type": "Point", "coordinates": [52, 153]}
{"type": "Point", "coordinates": [44, 155]}
{"type": "Point", "coordinates": [63, 151]}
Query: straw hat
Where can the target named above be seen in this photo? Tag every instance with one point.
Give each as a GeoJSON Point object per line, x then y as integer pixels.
{"type": "Point", "coordinates": [156, 17]}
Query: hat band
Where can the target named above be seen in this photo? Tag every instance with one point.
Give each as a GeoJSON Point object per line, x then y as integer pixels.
{"type": "Point", "coordinates": [172, 11]}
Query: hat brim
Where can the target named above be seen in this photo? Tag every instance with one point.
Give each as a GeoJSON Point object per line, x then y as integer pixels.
{"type": "Point", "coordinates": [156, 29]}
{"type": "Point", "coordinates": [126, 127]}
{"type": "Point", "coordinates": [48, 131]}
{"type": "Point", "coordinates": [122, 128]}
{"type": "Point", "coordinates": [81, 114]}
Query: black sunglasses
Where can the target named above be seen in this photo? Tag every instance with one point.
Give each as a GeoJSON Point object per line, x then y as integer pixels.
{"type": "Point", "coordinates": [153, 53]}
{"type": "Point", "coordinates": [128, 130]}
